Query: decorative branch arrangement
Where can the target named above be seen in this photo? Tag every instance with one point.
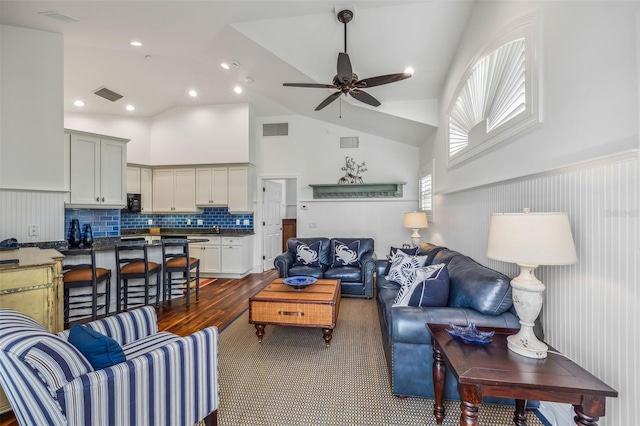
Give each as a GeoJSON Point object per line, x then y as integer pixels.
{"type": "Point", "coordinates": [352, 171]}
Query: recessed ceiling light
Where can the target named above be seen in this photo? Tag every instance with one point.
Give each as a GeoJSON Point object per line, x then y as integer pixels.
{"type": "Point", "coordinates": [408, 70]}
{"type": "Point", "coordinates": [225, 65]}
{"type": "Point", "coordinates": [237, 89]}
{"type": "Point", "coordinates": [130, 108]}
{"type": "Point", "coordinates": [193, 93]}
{"type": "Point", "coordinates": [78, 103]}
{"type": "Point", "coordinates": [135, 43]}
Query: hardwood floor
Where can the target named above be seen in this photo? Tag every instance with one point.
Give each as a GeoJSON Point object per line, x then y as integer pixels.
{"type": "Point", "coordinates": [220, 303]}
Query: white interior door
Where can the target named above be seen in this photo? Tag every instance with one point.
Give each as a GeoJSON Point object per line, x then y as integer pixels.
{"type": "Point", "coordinates": [272, 223]}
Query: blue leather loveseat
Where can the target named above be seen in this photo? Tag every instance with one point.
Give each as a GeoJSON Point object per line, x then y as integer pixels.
{"type": "Point", "coordinates": [476, 294]}
{"type": "Point", "coordinates": [350, 260]}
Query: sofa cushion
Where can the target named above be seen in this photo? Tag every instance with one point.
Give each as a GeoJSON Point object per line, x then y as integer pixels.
{"type": "Point", "coordinates": [56, 362]}
{"type": "Point", "coordinates": [307, 271]}
{"type": "Point", "coordinates": [402, 265]}
{"type": "Point", "coordinates": [307, 255]}
{"type": "Point", "coordinates": [475, 286]}
{"type": "Point", "coordinates": [101, 351]}
{"type": "Point", "coordinates": [415, 277]}
{"type": "Point", "coordinates": [148, 344]}
{"type": "Point", "coordinates": [344, 273]}
{"type": "Point", "coordinates": [392, 254]}
{"type": "Point", "coordinates": [345, 254]}
{"type": "Point", "coordinates": [429, 288]}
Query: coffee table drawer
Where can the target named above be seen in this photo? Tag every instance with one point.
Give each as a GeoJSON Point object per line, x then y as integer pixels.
{"type": "Point", "coordinates": [292, 314]}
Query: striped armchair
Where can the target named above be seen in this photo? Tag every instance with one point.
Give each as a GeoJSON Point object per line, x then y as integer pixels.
{"type": "Point", "coordinates": [165, 380]}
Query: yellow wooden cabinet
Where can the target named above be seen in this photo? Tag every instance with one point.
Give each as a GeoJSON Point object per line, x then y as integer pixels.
{"type": "Point", "coordinates": [33, 286]}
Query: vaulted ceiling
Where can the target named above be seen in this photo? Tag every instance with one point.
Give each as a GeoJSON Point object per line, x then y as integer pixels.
{"type": "Point", "coordinates": [184, 43]}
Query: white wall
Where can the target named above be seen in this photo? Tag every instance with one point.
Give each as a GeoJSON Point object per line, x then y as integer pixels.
{"type": "Point", "coordinates": [201, 135]}
{"type": "Point", "coordinates": [136, 129]}
{"type": "Point", "coordinates": [311, 153]}
{"type": "Point", "coordinates": [31, 100]}
{"type": "Point", "coordinates": [590, 108]}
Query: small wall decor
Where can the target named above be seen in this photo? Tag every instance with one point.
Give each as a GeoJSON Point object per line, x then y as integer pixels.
{"type": "Point", "coordinates": [352, 171]}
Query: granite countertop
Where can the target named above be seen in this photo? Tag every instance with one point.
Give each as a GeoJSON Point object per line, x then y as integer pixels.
{"type": "Point", "coordinates": [100, 244]}
{"type": "Point", "coordinates": [225, 232]}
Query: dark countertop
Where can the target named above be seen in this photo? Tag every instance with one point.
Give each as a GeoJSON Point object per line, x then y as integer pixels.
{"type": "Point", "coordinates": [224, 232]}
{"type": "Point", "coordinates": [100, 244]}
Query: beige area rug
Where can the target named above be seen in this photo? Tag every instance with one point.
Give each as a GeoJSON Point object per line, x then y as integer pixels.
{"type": "Point", "coordinates": [292, 379]}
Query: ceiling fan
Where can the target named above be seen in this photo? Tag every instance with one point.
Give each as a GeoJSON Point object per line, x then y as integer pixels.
{"type": "Point", "coordinates": [346, 81]}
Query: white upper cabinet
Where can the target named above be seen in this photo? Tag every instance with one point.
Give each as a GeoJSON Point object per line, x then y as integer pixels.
{"type": "Point", "coordinates": [211, 186]}
{"type": "Point", "coordinates": [241, 189]}
{"type": "Point", "coordinates": [146, 189]}
{"type": "Point", "coordinates": [98, 171]}
{"type": "Point", "coordinates": [174, 190]}
{"type": "Point", "coordinates": [133, 180]}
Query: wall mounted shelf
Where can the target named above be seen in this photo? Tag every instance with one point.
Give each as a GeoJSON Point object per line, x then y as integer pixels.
{"type": "Point", "coordinates": [358, 190]}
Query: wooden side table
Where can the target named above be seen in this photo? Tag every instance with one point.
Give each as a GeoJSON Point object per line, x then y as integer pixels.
{"type": "Point", "coordinates": [494, 370]}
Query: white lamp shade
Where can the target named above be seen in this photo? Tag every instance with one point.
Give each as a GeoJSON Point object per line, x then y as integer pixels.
{"type": "Point", "coordinates": [415, 220]}
{"type": "Point", "coordinates": [531, 238]}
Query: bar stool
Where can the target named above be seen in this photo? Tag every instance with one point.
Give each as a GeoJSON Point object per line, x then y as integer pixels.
{"type": "Point", "coordinates": [181, 263]}
{"type": "Point", "coordinates": [134, 265]}
{"type": "Point", "coordinates": [84, 275]}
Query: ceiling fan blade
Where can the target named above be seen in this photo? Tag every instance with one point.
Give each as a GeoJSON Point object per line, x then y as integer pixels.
{"type": "Point", "coordinates": [364, 97]}
{"type": "Point", "coordinates": [345, 72]}
{"type": "Point", "coordinates": [319, 86]}
{"type": "Point", "coordinates": [381, 79]}
{"type": "Point", "coordinates": [327, 101]}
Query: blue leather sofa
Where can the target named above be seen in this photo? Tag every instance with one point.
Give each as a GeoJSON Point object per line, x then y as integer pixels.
{"type": "Point", "coordinates": [356, 281]}
{"type": "Point", "coordinates": [477, 294]}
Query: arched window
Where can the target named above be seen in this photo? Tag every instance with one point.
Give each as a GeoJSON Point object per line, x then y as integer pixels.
{"type": "Point", "coordinates": [498, 95]}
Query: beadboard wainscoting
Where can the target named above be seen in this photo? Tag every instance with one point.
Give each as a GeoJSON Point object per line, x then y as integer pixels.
{"type": "Point", "coordinates": [591, 308]}
{"type": "Point", "coordinates": [19, 209]}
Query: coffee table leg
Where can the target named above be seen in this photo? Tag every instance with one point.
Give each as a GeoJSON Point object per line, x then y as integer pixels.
{"type": "Point", "coordinates": [520, 418]}
{"type": "Point", "coordinates": [260, 331]}
{"type": "Point", "coordinates": [438, 384]}
{"type": "Point", "coordinates": [327, 335]}
{"type": "Point", "coordinates": [470, 400]}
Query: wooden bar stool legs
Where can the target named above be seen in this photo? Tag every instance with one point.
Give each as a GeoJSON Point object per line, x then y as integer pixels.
{"type": "Point", "coordinates": [179, 262]}
{"type": "Point", "coordinates": [135, 265]}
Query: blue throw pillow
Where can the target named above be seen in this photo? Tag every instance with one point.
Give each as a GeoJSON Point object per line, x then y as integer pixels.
{"type": "Point", "coordinates": [392, 255]}
{"type": "Point", "coordinates": [308, 255]}
{"type": "Point", "coordinates": [100, 350]}
{"type": "Point", "coordinates": [427, 286]}
{"type": "Point", "coordinates": [345, 254]}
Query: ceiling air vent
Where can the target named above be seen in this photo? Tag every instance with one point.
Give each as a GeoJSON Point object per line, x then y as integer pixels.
{"type": "Point", "coordinates": [349, 142]}
{"type": "Point", "coordinates": [275, 129]}
{"type": "Point", "coordinates": [54, 14]}
{"type": "Point", "coordinates": [109, 95]}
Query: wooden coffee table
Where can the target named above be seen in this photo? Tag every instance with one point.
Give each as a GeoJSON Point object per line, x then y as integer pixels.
{"type": "Point", "coordinates": [494, 370]}
{"type": "Point", "coordinates": [315, 306]}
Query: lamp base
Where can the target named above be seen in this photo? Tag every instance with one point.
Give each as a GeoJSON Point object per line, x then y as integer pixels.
{"type": "Point", "coordinates": [415, 238]}
{"type": "Point", "coordinates": [527, 293]}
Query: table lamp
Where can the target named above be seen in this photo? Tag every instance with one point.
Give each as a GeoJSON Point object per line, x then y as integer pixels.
{"type": "Point", "coordinates": [415, 221]}
{"type": "Point", "coordinates": [530, 239]}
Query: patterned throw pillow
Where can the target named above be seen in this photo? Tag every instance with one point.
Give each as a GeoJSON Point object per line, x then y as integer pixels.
{"type": "Point", "coordinates": [308, 255]}
{"type": "Point", "coordinates": [426, 286]}
{"type": "Point", "coordinates": [392, 255]}
{"type": "Point", "coordinates": [345, 254]}
{"type": "Point", "coordinates": [56, 362]}
{"type": "Point", "coordinates": [402, 265]}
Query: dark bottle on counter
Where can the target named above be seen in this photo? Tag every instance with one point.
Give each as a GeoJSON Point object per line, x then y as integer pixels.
{"type": "Point", "coordinates": [88, 236]}
{"type": "Point", "coordinates": [75, 238]}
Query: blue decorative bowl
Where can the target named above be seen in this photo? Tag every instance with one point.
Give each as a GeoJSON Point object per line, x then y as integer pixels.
{"type": "Point", "coordinates": [470, 334]}
{"type": "Point", "coordinates": [299, 282]}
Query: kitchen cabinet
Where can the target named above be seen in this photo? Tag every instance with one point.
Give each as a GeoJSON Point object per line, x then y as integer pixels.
{"type": "Point", "coordinates": [33, 286]}
{"type": "Point", "coordinates": [241, 189]}
{"type": "Point", "coordinates": [174, 190]}
{"type": "Point", "coordinates": [98, 175]}
{"type": "Point", "coordinates": [208, 253]}
{"type": "Point", "coordinates": [211, 186]}
{"type": "Point", "coordinates": [140, 181]}
{"type": "Point", "coordinates": [236, 255]}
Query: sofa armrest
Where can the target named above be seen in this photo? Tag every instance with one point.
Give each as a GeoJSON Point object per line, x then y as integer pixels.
{"type": "Point", "coordinates": [381, 267]}
{"type": "Point", "coordinates": [126, 327]}
{"type": "Point", "coordinates": [283, 262]}
{"type": "Point", "coordinates": [368, 265]}
{"type": "Point", "coordinates": [409, 323]}
{"type": "Point", "coordinates": [173, 385]}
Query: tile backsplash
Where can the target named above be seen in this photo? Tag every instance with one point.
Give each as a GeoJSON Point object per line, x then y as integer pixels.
{"type": "Point", "coordinates": [109, 223]}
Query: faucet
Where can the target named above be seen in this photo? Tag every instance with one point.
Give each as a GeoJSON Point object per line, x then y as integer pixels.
{"type": "Point", "coordinates": [216, 229]}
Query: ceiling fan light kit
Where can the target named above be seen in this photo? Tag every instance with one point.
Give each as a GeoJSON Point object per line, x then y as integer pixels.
{"type": "Point", "coordinates": [346, 81]}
